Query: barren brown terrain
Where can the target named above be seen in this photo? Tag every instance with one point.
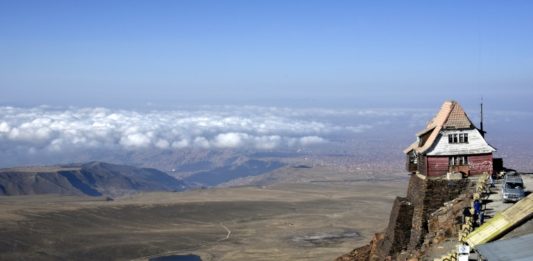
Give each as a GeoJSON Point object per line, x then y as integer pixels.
{"type": "Point", "coordinates": [310, 221]}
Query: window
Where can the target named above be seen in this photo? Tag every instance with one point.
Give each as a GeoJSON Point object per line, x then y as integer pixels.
{"type": "Point", "coordinates": [458, 138]}
{"type": "Point", "coordinates": [458, 160]}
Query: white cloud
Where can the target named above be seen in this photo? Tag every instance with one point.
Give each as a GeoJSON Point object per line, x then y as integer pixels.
{"type": "Point", "coordinates": [50, 129]}
{"type": "Point", "coordinates": [4, 127]}
{"type": "Point", "coordinates": [162, 144]}
{"type": "Point", "coordinates": [135, 140]}
{"type": "Point", "coordinates": [310, 140]}
{"type": "Point", "coordinates": [201, 142]}
{"type": "Point", "coordinates": [230, 140]}
{"type": "Point", "coordinates": [267, 142]}
{"type": "Point", "coordinates": [180, 144]}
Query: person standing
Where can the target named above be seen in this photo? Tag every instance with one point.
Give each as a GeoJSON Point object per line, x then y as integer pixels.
{"type": "Point", "coordinates": [466, 213]}
{"type": "Point", "coordinates": [477, 206]}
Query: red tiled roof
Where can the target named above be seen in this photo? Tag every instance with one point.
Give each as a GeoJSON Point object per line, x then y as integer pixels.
{"type": "Point", "coordinates": [451, 115]}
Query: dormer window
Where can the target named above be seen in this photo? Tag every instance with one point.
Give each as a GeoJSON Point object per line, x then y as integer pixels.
{"type": "Point", "coordinates": [458, 138]}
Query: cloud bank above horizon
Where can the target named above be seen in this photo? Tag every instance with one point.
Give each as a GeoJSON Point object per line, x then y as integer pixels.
{"type": "Point", "coordinates": [49, 130]}
{"type": "Point", "coordinates": [50, 135]}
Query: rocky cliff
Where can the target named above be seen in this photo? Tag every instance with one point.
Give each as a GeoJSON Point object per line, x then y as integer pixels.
{"type": "Point", "coordinates": [427, 214]}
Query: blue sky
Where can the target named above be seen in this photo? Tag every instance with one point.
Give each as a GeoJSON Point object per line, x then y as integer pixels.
{"type": "Point", "coordinates": [301, 53]}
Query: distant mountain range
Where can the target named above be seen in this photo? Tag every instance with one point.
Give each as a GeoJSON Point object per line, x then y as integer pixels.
{"type": "Point", "coordinates": [235, 170]}
{"type": "Point", "coordinates": [90, 179]}
{"type": "Point", "coordinates": [105, 179]}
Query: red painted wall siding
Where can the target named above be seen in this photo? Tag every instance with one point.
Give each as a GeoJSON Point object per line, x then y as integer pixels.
{"type": "Point", "coordinates": [480, 163]}
{"type": "Point", "coordinates": [477, 164]}
{"type": "Point", "coordinates": [437, 166]}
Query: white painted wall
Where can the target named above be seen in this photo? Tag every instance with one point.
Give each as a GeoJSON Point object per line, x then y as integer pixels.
{"type": "Point", "coordinates": [476, 144]}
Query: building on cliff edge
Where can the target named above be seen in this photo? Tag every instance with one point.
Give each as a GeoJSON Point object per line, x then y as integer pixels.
{"type": "Point", "coordinates": [450, 144]}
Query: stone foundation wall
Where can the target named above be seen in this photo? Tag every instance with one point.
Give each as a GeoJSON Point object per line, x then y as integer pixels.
{"type": "Point", "coordinates": [398, 232]}
{"type": "Point", "coordinates": [428, 195]}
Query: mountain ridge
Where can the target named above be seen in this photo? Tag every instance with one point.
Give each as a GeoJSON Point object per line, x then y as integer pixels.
{"type": "Point", "coordinates": [85, 179]}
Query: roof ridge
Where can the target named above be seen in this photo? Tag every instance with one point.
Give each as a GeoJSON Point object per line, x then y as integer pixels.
{"type": "Point", "coordinates": [451, 115]}
{"type": "Point", "coordinates": [460, 119]}
{"type": "Point", "coordinates": [452, 107]}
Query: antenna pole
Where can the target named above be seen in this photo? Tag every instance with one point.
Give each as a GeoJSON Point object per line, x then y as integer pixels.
{"type": "Point", "coordinates": [481, 122]}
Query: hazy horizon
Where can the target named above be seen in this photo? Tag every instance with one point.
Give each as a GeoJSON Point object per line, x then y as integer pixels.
{"type": "Point", "coordinates": [53, 135]}
{"type": "Point", "coordinates": [133, 75]}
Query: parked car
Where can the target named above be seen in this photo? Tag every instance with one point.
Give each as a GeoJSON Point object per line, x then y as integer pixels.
{"type": "Point", "coordinates": [513, 176]}
{"type": "Point", "coordinates": [513, 187]}
{"type": "Point", "coordinates": [511, 172]}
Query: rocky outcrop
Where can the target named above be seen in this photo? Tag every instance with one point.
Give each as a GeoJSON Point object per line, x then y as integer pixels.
{"type": "Point", "coordinates": [445, 222]}
{"type": "Point", "coordinates": [429, 212]}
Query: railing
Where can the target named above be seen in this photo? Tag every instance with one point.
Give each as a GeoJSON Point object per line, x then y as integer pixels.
{"type": "Point", "coordinates": [498, 224]}
{"type": "Point", "coordinates": [501, 222]}
{"type": "Point", "coordinates": [482, 189]}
